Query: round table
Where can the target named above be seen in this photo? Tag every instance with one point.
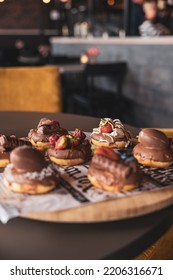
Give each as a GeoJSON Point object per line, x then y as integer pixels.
{"type": "Point", "coordinates": [23, 238]}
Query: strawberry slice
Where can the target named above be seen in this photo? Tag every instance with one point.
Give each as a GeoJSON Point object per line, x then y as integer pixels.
{"type": "Point", "coordinates": [107, 152]}
{"type": "Point", "coordinates": [107, 128]}
{"type": "Point", "coordinates": [62, 143]}
{"type": "Point", "coordinates": [53, 139]}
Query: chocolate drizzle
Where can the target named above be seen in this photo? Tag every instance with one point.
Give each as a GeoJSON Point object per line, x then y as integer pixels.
{"type": "Point", "coordinates": [8, 143]}
{"type": "Point", "coordinates": [119, 133]}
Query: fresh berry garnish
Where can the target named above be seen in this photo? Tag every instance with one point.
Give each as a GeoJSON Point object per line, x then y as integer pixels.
{"type": "Point", "coordinates": [78, 133]}
{"type": "Point", "coordinates": [73, 141]}
{"type": "Point", "coordinates": [106, 125]}
{"type": "Point", "coordinates": [107, 128]}
{"type": "Point", "coordinates": [62, 143]}
{"type": "Point", "coordinates": [107, 152]}
{"type": "Point", "coordinates": [52, 139]}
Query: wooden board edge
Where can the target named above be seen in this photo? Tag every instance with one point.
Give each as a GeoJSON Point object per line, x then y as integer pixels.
{"type": "Point", "coordinates": [110, 210]}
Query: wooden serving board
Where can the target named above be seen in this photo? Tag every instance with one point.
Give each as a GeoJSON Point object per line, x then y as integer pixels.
{"type": "Point", "coordinates": [112, 210]}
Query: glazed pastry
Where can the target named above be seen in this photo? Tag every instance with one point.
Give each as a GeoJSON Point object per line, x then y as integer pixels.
{"type": "Point", "coordinates": [110, 133]}
{"type": "Point", "coordinates": [153, 149]}
{"type": "Point", "coordinates": [39, 137]}
{"type": "Point", "coordinates": [70, 149]}
{"type": "Point", "coordinates": [111, 172]}
{"type": "Point", "coordinates": [7, 144]}
{"type": "Point", "coordinates": [29, 172]}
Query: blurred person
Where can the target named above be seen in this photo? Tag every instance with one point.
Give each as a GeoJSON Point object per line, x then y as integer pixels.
{"type": "Point", "coordinates": [150, 27]}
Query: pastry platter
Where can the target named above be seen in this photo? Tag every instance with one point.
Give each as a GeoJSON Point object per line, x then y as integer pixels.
{"type": "Point", "coordinates": [92, 205]}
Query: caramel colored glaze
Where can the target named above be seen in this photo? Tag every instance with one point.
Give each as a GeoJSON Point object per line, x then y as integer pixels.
{"type": "Point", "coordinates": [152, 138]}
{"type": "Point", "coordinates": [164, 155]}
{"type": "Point", "coordinates": [114, 173]}
{"type": "Point", "coordinates": [82, 151]}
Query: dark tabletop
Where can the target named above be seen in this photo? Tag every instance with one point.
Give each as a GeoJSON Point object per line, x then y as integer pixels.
{"type": "Point", "coordinates": [24, 238]}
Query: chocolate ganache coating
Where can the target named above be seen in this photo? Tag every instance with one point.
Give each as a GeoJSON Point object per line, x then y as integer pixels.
{"type": "Point", "coordinates": [82, 151]}
{"type": "Point", "coordinates": [114, 172]}
{"type": "Point", "coordinates": [27, 159]}
{"type": "Point", "coordinates": [154, 145]}
{"type": "Point", "coordinates": [152, 138]}
{"type": "Point", "coordinates": [45, 129]}
{"type": "Point", "coordinates": [28, 166]}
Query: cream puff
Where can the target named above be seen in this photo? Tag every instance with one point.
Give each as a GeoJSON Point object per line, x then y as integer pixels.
{"type": "Point", "coordinates": [39, 137]}
{"type": "Point", "coordinates": [111, 134]}
{"type": "Point", "coordinates": [111, 172]}
{"type": "Point", "coordinates": [7, 144]}
{"type": "Point", "coordinates": [70, 149]}
{"type": "Point", "coordinates": [153, 149]}
{"type": "Point", "coordinates": [29, 172]}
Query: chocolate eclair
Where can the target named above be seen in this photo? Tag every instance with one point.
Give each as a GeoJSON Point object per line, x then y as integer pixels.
{"type": "Point", "coordinates": [29, 172]}
{"type": "Point", "coordinates": [39, 137]}
{"type": "Point", "coordinates": [111, 172]}
{"type": "Point", "coordinates": [153, 149]}
{"type": "Point", "coordinates": [110, 133]}
{"type": "Point", "coordinates": [7, 144]}
{"type": "Point", "coordinates": [70, 149]}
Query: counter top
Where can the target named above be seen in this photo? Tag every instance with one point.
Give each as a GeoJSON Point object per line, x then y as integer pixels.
{"type": "Point", "coordinates": [114, 40]}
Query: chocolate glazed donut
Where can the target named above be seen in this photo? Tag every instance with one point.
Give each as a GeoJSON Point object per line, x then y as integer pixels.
{"type": "Point", "coordinates": [29, 172]}
{"type": "Point", "coordinates": [7, 144]}
{"type": "Point", "coordinates": [110, 172]}
{"type": "Point", "coordinates": [153, 149]}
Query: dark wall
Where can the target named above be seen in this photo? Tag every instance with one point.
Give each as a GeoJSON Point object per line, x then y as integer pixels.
{"type": "Point", "coordinates": [23, 14]}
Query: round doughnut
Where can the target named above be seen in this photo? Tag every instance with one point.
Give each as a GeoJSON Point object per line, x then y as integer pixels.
{"type": "Point", "coordinates": [29, 172]}
{"type": "Point", "coordinates": [70, 162]}
{"type": "Point", "coordinates": [153, 149]}
{"type": "Point", "coordinates": [111, 172]}
{"type": "Point", "coordinates": [117, 144]}
{"type": "Point", "coordinates": [43, 145]}
{"type": "Point", "coordinates": [112, 188]}
{"type": "Point", "coordinates": [111, 134]}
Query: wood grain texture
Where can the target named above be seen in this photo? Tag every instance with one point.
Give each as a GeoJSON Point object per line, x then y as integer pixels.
{"type": "Point", "coordinates": [111, 210]}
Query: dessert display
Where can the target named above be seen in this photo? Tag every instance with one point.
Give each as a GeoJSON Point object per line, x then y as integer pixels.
{"type": "Point", "coordinates": [110, 133]}
{"type": "Point", "coordinates": [153, 149]}
{"type": "Point", "coordinates": [39, 137]}
{"type": "Point", "coordinates": [111, 172]}
{"type": "Point", "coordinates": [7, 144]}
{"type": "Point", "coordinates": [69, 149]}
{"type": "Point", "coordinates": [29, 172]}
